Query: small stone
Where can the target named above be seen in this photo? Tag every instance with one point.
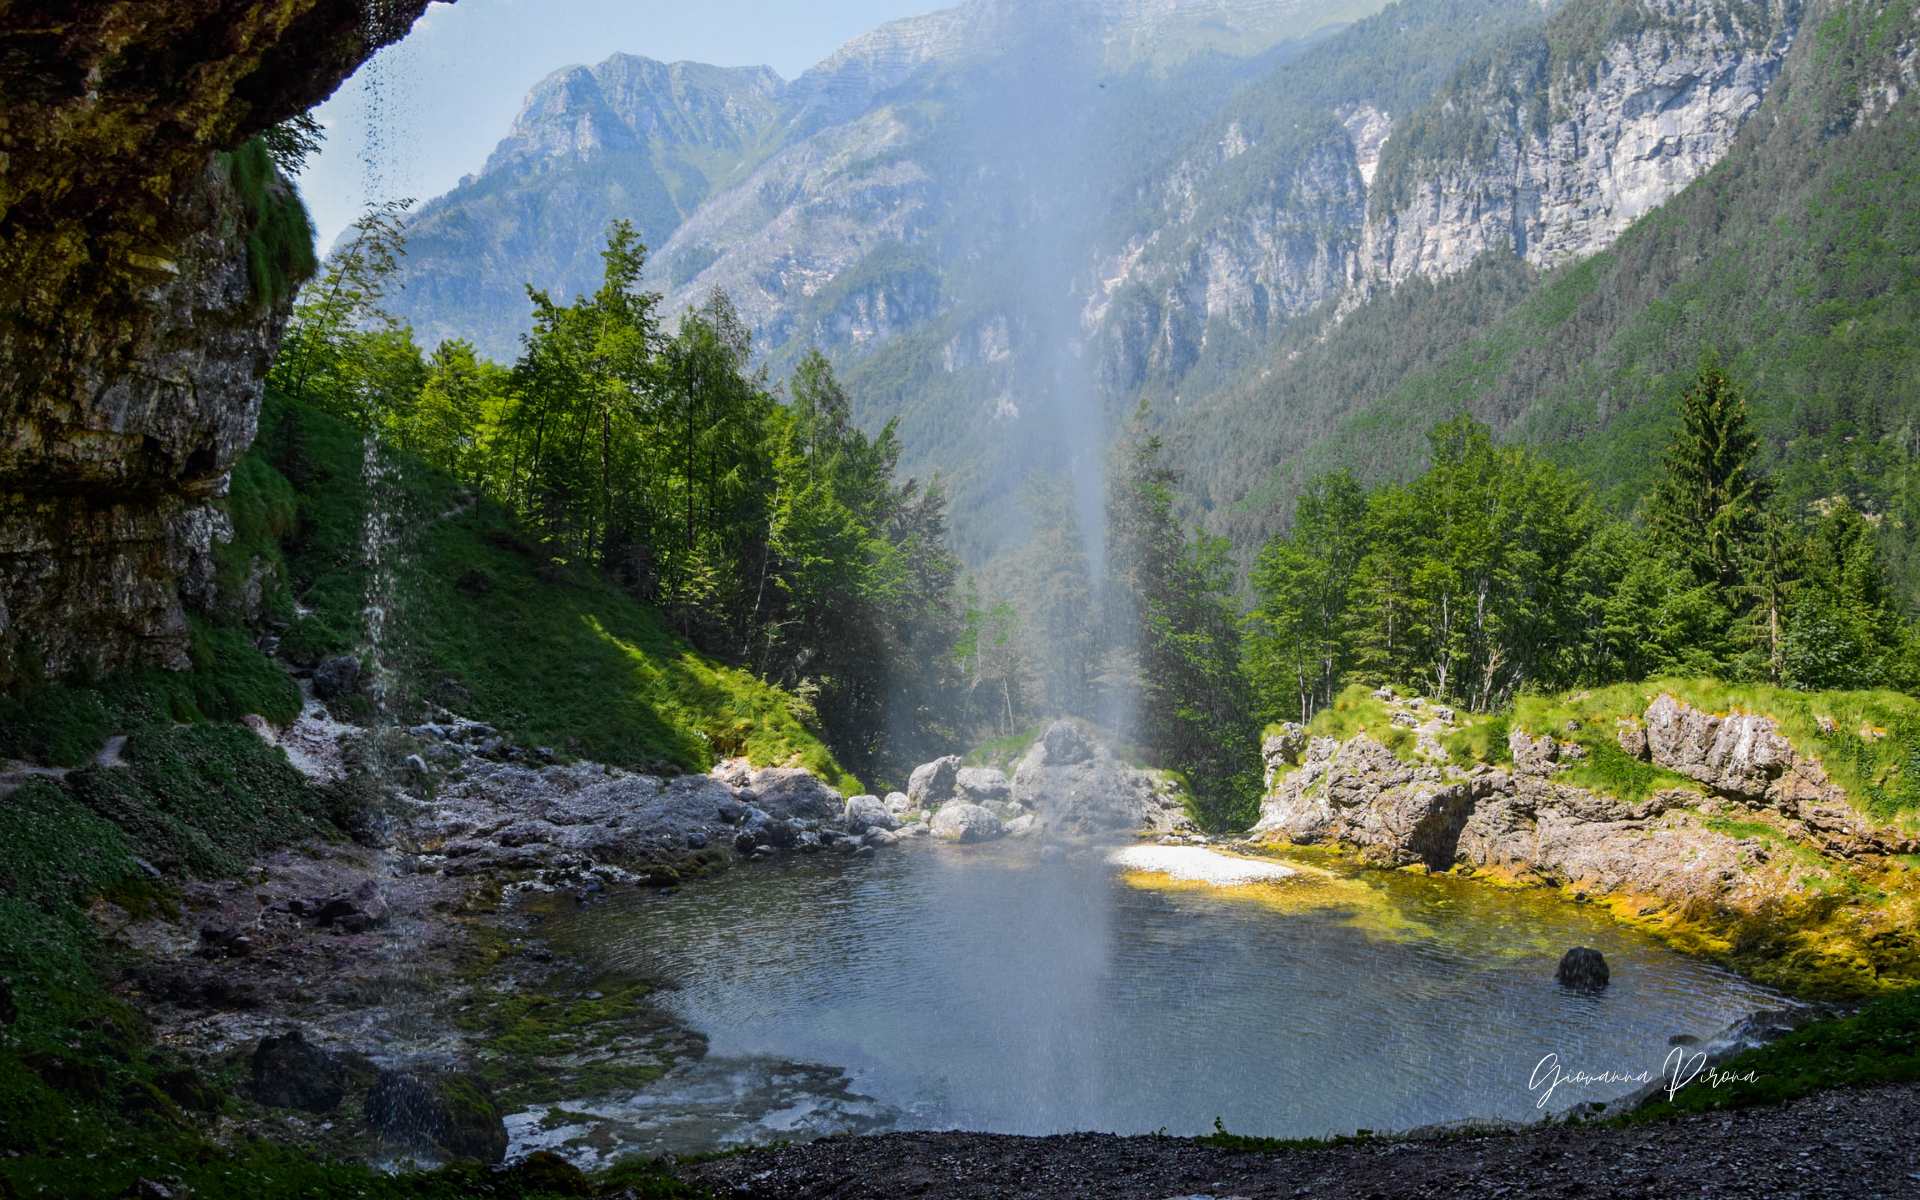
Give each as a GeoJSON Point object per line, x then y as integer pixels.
{"type": "Point", "coordinates": [697, 841]}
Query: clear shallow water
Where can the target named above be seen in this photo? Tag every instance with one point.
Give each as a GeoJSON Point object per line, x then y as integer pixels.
{"type": "Point", "coordinates": [983, 988]}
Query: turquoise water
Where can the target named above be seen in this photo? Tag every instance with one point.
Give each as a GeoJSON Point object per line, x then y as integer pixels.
{"type": "Point", "coordinates": [984, 988]}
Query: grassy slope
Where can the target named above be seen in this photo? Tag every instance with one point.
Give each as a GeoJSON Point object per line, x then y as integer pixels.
{"type": "Point", "coordinates": [553, 656]}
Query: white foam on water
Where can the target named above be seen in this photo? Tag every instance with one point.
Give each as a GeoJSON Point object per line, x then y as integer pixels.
{"type": "Point", "coordinates": [1195, 864]}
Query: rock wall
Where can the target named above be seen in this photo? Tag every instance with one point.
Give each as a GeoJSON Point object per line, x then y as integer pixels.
{"type": "Point", "coordinates": [1550, 155]}
{"type": "Point", "coordinates": [132, 346]}
{"type": "Point", "coordinates": [1522, 824]}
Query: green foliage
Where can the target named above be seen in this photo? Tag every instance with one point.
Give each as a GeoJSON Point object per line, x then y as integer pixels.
{"type": "Point", "coordinates": [1173, 596]}
{"type": "Point", "coordinates": [560, 657]}
{"type": "Point", "coordinates": [1298, 644]}
{"type": "Point", "coordinates": [278, 232]}
{"type": "Point", "coordinates": [1880, 1045]}
{"type": "Point", "coordinates": [343, 351]}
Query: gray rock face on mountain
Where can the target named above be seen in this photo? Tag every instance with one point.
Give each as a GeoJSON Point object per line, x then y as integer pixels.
{"type": "Point", "coordinates": [1081, 792]}
{"type": "Point", "coordinates": [629, 138]}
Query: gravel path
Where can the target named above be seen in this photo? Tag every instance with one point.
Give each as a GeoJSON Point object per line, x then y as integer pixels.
{"type": "Point", "coordinates": [1853, 1144]}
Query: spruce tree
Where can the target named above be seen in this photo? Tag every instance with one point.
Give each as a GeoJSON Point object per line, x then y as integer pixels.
{"type": "Point", "coordinates": [1708, 506]}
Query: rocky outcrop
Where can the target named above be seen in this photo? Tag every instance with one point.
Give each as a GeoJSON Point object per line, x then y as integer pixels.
{"type": "Point", "coordinates": [1522, 823]}
{"type": "Point", "coordinates": [1080, 791]}
{"type": "Point", "coordinates": [1553, 145]}
{"type": "Point", "coordinates": [133, 340]}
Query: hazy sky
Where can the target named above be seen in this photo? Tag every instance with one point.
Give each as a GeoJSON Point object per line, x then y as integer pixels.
{"type": "Point", "coordinates": [427, 111]}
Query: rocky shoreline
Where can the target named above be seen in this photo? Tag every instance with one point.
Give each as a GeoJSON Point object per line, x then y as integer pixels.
{"type": "Point", "coordinates": [1760, 860]}
{"type": "Point", "coordinates": [1846, 1144]}
{"type": "Point", "coordinates": [390, 998]}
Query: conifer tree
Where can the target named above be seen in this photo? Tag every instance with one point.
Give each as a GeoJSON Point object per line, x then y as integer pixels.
{"type": "Point", "coordinates": [1707, 506]}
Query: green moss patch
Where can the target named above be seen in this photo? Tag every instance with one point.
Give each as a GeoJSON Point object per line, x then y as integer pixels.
{"type": "Point", "coordinates": [1868, 741]}
{"type": "Point", "coordinates": [539, 1047]}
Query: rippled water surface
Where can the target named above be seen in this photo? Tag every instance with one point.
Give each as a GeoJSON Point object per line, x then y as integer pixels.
{"type": "Point", "coordinates": [984, 988]}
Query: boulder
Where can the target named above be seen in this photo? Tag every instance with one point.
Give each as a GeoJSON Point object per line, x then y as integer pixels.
{"type": "Point", "coordinates": [356, 911]}
{"type": "Point", "coordinates": [961, 822]}
{"type": "Point", "coordinates": [869, 812]}
{"type": "Point", "coordinates": [1020, 826]}
{"type": "Point", "coordinates": [932, 784]}
{"type": "Point", "coordinates": [984, 785]}
{"type": "Point", "coordinates": [336, 677]}
{"type": "Point", "coordinates": [898, 804]}
{"type": "Point", "coordinates": [288, 1072]}
{"type": "Point", "coordinates": [1064, 743]}
{"type": "Point", "coordinates": [1583, 969]}
{"type": "Point", "coordinates": [442, 1111]}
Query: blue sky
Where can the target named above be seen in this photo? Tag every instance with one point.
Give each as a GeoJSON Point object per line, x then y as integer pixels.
{"type": "Point", "coordinates": [427, 111]}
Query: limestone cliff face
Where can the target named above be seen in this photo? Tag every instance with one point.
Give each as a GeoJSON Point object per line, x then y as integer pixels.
{"type": "Point", "coordinates": [1550, 155]}
{"type": "Point", "coordinates": [132, 342]}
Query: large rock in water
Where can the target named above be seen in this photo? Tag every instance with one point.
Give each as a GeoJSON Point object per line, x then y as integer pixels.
{"type": "Point", "coordinates": [1082, 792]}
{"type": "Point", "coordinates": [932, 784]}
{"type": "Point", "coordinates": [136, 339]}
{"type": "Point", "coordinates": [1583, 969]}
{"type": "Point", "coordinates": [958, 821]}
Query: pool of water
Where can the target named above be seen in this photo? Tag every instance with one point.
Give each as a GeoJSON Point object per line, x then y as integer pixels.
{"type": "Point", "coordinates": [988, 988]}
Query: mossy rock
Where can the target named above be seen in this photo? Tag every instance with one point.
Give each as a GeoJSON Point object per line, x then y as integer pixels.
{"type": "Point", "coordinates": [448, 1112]}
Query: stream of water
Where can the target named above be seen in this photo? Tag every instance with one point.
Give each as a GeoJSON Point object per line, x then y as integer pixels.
{"type": "Point", "coordinates": [986, 988]}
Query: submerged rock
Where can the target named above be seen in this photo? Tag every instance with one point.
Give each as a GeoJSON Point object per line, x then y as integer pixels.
{"type": "Point", "coordinates": [961, 822]}
{"type": "Point", "coordinates": [1583, 969]}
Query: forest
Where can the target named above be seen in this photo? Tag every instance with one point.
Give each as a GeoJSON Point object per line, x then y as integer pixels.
{"type": "Point", "coordinates": [776, 535]}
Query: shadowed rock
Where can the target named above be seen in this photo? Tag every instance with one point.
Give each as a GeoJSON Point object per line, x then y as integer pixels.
{"type": "Point", "coordinates": [933, 783]}
{"type": "Point", "coordinates": [290, 1073]}
{"type": "Point", "coordinates": [1583, 969]}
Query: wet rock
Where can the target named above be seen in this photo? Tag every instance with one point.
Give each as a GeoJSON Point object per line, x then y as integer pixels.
{"type": "Point", "coordinates": [356, 911]}
{"type": "Point", "coordinates": [288, 1072]}
{"type": "Point", "coordinates": [336, 677]}
{"type": "Point", "coordinates": [1020, 826]}
{"type": "Point", "coordinates": [696, 841]}
{"type": "Point", "coordinates": [984, 785]}
{"type": "Point", "coordinates": [1582, 969]}
{"type": "Point", "coordinates": [869, 812]}
{"type": "Point", "coordinates": [1087, 794]}
{"type": "Point", "coordinates": [933, 783]}
{"type": "Point", "coordinates": [880, 837]}
{"type": "Point", "coordinates": [1064, 743]}
{"type": "Point", "coordinates": [444, 1111]}
{"type": "Point", "coordinates": [958, 821]}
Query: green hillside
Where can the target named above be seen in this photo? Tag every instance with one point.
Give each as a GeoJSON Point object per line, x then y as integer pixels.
{"type": "Point", "coordinates": [1793, 261]}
